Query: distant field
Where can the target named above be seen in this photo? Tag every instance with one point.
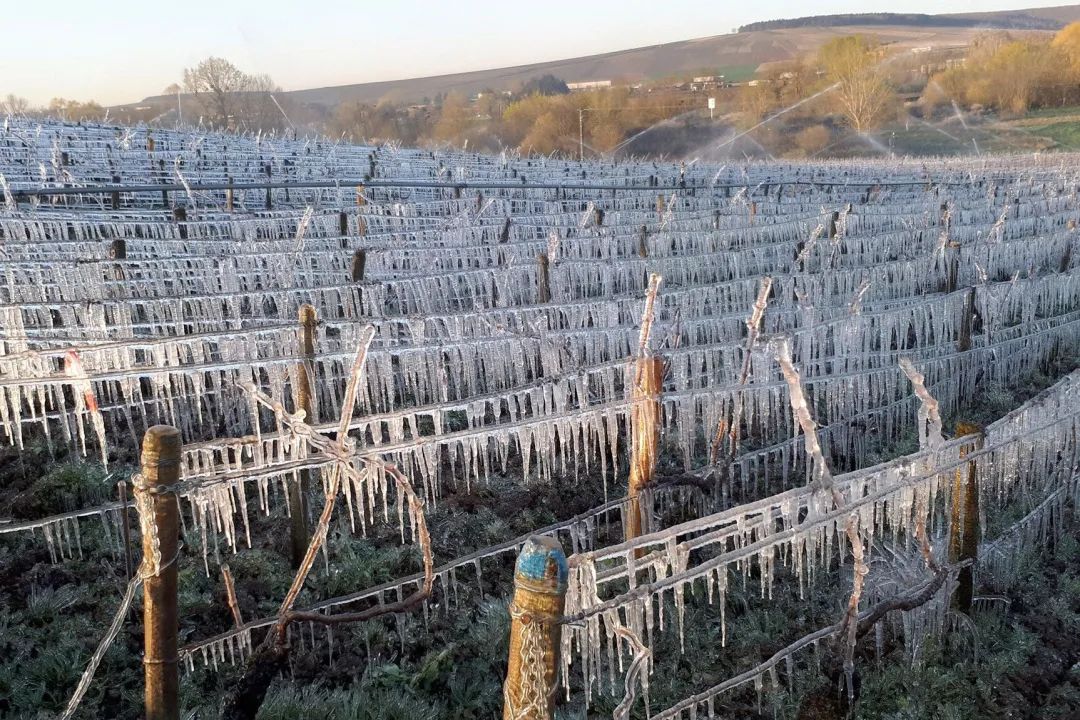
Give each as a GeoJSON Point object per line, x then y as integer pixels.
{"type": "Point", "coordinates": [737, 73]}
{"type": "Point", "coordinates": [1065, 134]}
{"type": "Point", "coordinates": [731, 73]}
{"type": "Point", "coordinates": [1035, 117]}
{"type": "Point", "coordinates": [946, 139]}
{"type": "Point", "coordinates": [954, 139]}
{"type": "Point", "coordinates": [1060, 126]}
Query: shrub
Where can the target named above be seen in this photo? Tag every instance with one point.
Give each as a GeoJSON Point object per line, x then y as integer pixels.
{"type": "Point", "coordinates": [813, 139]}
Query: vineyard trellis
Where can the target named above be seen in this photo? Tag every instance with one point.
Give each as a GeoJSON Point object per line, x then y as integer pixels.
{"type": "Point", "coordinates": [566, 319]}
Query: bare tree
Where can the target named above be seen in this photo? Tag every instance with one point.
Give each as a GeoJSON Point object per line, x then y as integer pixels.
{"type": "Point", "coordinates": [14, 105]}
{"type": "Point", "coordinates": [217, 85]}
{"type": "Point", "coordinates": [852, 62]}
{"type": "Point", "coordinates": [258, 109]}
{"type": "Point", "coordinates": [232, 99]}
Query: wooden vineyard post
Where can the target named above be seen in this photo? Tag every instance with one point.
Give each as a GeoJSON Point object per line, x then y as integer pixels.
{"type": "Point", "coordinates": [361, 200]}
{"type": "Point", "coordinates": [269, 191]}
{"type": "Point", "coordinates": [308, 321]}
{"type": "Point", "coordinates": [298, 531]}
{"type": "Point", "coordinates": [644, 436]}
{"type": "Point", "coordinates": [180, 217]}
{"type": "Point", "coordinates": [952, 268]}
{"type": "Point", "coordinates": [230, 203]}
{"type": "Point", "coordinates": [158, 517]}
{"type": "Point", "coordinates": [359, 263]}
{"type": "Point", "coordinates": [952, 251]}
{"type": "Point", "coordinates": [118, 251]}
{"type": "Point", "coordinates": [539, 598]}
{"type": "Point", "coordinates": [964, 525]}
{"type": "Point", "coordinates": [833, 219]}
{"type": "Point", "coordinates": [967, 323]}
{"type": "Point", "coordinates": [1066, 257]}
{"type": "Point", "coordinates": [543, 278]}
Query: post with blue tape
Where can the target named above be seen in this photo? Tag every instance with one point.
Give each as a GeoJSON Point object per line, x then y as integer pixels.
{"type": "Point", "coordinates": [539, 599]}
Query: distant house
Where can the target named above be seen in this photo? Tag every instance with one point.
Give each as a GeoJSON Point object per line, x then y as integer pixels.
{"type": "Point", "coordinates": [707, 82]}
{"type": "Point", "coordinates": [588, 85]}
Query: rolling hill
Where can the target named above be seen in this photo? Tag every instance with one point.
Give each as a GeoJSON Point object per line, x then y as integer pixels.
{"type": "Point", "coordinates": [736, 55]}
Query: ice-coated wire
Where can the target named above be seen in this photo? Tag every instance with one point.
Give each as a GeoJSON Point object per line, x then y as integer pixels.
{"type": "Point", "coordinates": [103, 647]}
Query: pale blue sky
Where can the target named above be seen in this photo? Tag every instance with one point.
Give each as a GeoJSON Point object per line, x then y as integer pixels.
{"type": "Point", "coordinates": [118, 51]}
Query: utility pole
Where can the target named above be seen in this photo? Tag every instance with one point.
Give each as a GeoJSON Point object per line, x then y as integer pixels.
{"type": "Point", "coordinates": [581, 134]}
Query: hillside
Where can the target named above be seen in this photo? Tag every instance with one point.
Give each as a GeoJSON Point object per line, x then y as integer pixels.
{"type": "Point", "coordinates": [1061, 14]}
{"type": "Point", "coordinates": [1003, 20]}
{"type": "Point", "coordinates": [736, 55]}
{"type": "Point", "coordinates": [731, 54]}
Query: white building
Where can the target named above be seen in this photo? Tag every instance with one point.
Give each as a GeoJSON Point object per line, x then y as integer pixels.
{"type": "Point", "coordinates": [588, 85]}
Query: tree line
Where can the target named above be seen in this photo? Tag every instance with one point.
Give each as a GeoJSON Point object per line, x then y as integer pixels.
{"type": "Point", "coordinates": [533, 122]}
{"type": "Point", "coordinates": [542, 116]}
{"type": "Point", "coordinates": [91, 111]}
{"type": "Point", "coordinates": [848, 83]}
{"type": "Point", "coordinates": [860, 84]}
{"type": "Point", "coordinates": [1013, 73]}
{"type": "Point", "coordinates": [851, 82]}
{"type": "Point", "coordinates": [1012, 20]}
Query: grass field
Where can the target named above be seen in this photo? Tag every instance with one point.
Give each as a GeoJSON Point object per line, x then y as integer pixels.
{"type": "Point", "coordinates": [1059, 126]}
{"type": "Point", "coordinates": [737, 73]}
{"type": "Point", "coordinates": [1065, 134]}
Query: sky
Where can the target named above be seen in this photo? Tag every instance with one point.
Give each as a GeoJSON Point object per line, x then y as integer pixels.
{"type": "Point", "coordinates": [119, 51]}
